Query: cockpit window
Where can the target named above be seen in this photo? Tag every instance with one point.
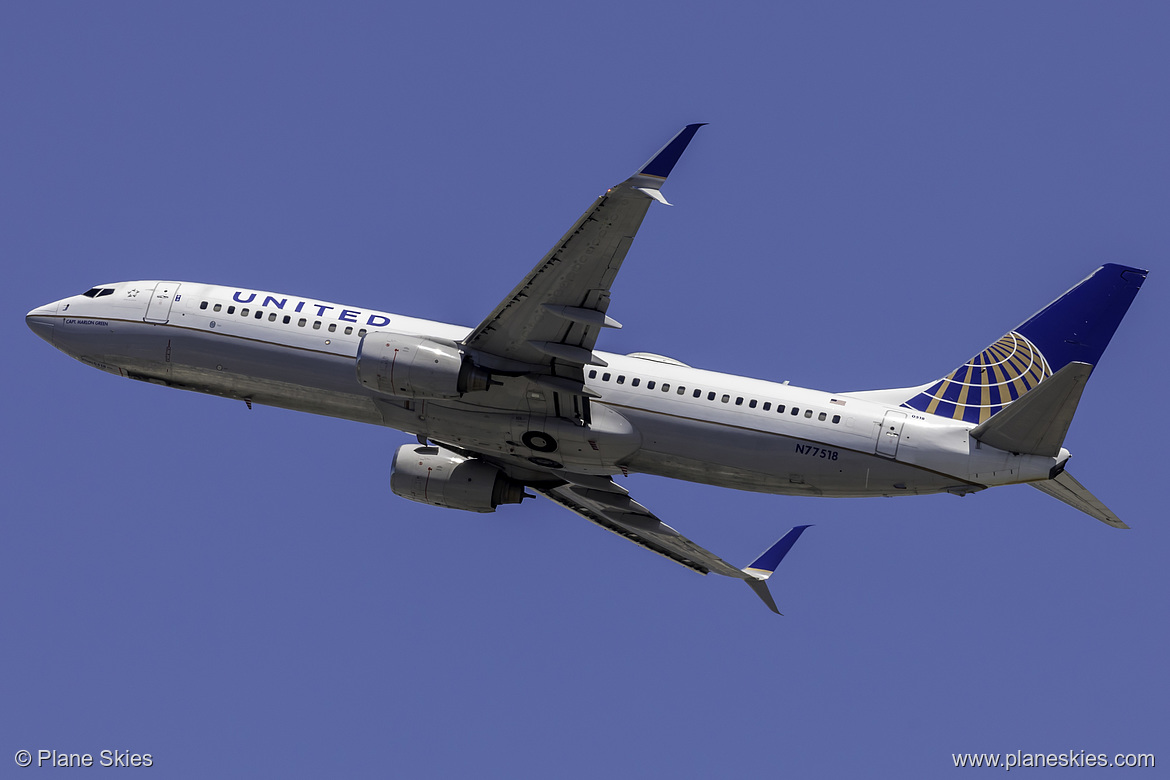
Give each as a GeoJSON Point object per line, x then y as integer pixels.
{"type": "Point", "coordinates": [98, 292]}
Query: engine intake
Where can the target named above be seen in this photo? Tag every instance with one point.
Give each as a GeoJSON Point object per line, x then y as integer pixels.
{"type": "Point", "coordinates": [439, 477]}
{"type": "Point", "coordinates": [417, 367]}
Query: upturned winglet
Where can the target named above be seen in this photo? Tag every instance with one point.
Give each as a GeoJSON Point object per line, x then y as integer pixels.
{"type": "Point", "coordinates": [650, 177]}
{"type": "Point", "coordinates": [764, 566]}
{"type": "Point", "coordinates": [663, 161]}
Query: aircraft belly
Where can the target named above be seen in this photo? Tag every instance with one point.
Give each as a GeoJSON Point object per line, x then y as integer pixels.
{"type": "Point", "coordinates": [261, 372]}
{"type": "Point", "coordinates": [274, 392]}
{"type": "Point", "coordinates": [112, 342]}
{"type": "Point", "coordinates": [538, 439]}
{"type": "Point", "coordinates": [765, 462]}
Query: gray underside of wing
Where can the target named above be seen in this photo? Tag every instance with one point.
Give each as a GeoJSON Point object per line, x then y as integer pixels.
{"type": "Point", "coordinates": [551, 320]}
{"type": "Point", "coordinates": [548, 324]}
{"type": "Point", "coordinates": [617, 512]}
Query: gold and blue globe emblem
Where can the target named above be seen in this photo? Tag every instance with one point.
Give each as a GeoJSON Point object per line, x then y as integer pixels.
{"type": "Point", "coordinates": [987, 382]}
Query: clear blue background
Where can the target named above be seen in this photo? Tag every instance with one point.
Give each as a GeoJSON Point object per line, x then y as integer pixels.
{"type": "Point", "coordinates": [884, 189]}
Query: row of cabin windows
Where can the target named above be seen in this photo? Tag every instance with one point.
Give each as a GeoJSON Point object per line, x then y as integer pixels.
{"type": "Point", "coordinates": [302, 322]}
{"type": "Point", "coordinates": [725, 398]}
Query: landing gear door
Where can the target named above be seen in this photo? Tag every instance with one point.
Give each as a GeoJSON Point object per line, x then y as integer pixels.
{"type": "Point", "coordinates": [890, 434]}
{"type": "Point", "coordinates": [159, 308]}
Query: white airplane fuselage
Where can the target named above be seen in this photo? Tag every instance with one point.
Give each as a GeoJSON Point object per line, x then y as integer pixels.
{"type": "Point", "coordinates": [651, 415]}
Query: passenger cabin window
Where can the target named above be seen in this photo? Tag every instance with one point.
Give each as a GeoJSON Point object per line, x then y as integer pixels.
{"type": "Point", "coordinates": [301, 322]}
{"type": "Point", "coordinates": [593, 374]}
{"type": "Point", "coordinates": [362, 332]}
{"type": "Point", "coordinates": [287, 319]}
{"type": "Point", "coordinates": [681, 390]}
{"type": "Point", "coordinates": [244, 312]}
{"type": "Point", "coordinates": [822, 416]}
{"type": "Point", "coordinates": [697, 393]}
{"type": "Point", "coordinates": [808, 413]}
{"type": "Point", "coordinates": [203, 304]}
{"type": "Point", "coordinates": [348, 329]}
{"type": "Point", "coordinates": [836, 419]}
{"type": "Point", "coordinates": [217, 307]}
{"type": "Point", "coordinates": [634, 382]}
{"type": "Point", "coordinates": [317, 325]}
{"type": "Point", "coordinates": [739, 401]}
{"type": "Point", "coordinates": [650, 385]}
{"type": "Point", "coordinates": [621, 379]}
{"type": "Point", "coordinates": [752, 404]}
{"type": "Point", "coordinates": [795, 411]}
{"type": "Point", "coordinates": [332, 327]}
{"type": "Point", "coordinates": [260, 314]}
{"type": "Point", "coordinates": [725, 398]}
{"type": "Point", "coordinates": [272, 317]}
{"type": "Point", "coordinates": [779, 408]}
{"type": "Point", "coordinates": [711, 396]}
{"type": "Point", "coordinates": [605, 377]}
{"type": "Point", "coordinates": [767, 405]}
{"type": "Point", "coordinates": [666, 387]}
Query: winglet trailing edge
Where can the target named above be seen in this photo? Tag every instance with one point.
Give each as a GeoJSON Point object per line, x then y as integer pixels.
{"type": "Point", "coordinates": [764, 566]}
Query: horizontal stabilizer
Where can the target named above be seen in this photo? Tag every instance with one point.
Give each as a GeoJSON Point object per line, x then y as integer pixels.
{"type": "Point", "coordinates": [1073, 493]}
{"type": "Point", "coordinates": [1037, 422]}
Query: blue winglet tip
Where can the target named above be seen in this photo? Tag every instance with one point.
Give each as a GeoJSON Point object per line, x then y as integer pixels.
{"type": "Point", "coordinates": [774, 554]}
{"type": "Point", "coordinates": [662, 163]}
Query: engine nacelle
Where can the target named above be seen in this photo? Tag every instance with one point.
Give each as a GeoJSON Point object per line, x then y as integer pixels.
{"type": "Point", "coordinates": [417, 367]}
{"type": "Point", "coordinates": [439, 477]}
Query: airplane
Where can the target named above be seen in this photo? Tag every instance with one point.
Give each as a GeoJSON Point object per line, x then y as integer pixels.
{"type": "Point", "coordinates": [525, 400]}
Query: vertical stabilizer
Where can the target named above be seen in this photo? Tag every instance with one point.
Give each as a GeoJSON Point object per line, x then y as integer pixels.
{"type": "Point", "coordinates": [1075, 328]}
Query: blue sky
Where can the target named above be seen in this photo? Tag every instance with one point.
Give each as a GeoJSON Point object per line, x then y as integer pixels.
{"type": "Point", "coordinates": [883, 190]}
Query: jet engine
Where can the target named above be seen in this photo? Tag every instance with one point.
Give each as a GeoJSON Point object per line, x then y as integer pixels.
{"type": "Point", "coordinates": [439, 477]}
{"type": "Point", "coordinates": [416, 367]}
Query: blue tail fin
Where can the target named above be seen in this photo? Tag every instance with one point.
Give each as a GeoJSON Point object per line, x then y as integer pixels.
{"type": "Point", "coordinates": [1076, 327]}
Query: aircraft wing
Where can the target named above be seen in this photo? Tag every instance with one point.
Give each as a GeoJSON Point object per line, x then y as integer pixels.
{"type": "Point", "coordinates": [611, 507]}
{"type": "Point", "coordinates": [549, 323]}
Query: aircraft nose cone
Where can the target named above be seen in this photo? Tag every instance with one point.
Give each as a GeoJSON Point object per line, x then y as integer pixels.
{"type": "Point", "coordinates": [40, 321]}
